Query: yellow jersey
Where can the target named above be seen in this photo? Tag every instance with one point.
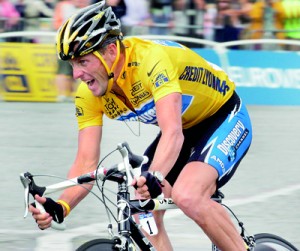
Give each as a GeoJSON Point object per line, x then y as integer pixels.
{"type": "Point", "coordinates": [152, 70]}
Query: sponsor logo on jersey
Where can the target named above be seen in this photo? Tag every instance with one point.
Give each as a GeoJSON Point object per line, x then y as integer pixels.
{"type": "Point", "coordinates": [112, 108]}
{"type": "Point", "coordinates": [140, 97]}
{"type": "Point", "coordinates": [147, 114]}
{"type": "Point", "coordinates": [139, 94]}
{"type": "Point", "coordinates": [160, 78]}
{"type": "Point", "coordinates": [131, 64]}
{"type": "Point", "coordinates": [205, 77]}
{"type": "Point", "coordinates": [78, 97]}
{"type": "Point", "coordinates": [136, 88]}
{"type": "Point", "coordinates": [151, 71]}
{"type": "Point", "coordinates": [79, 111]}
{"type": "Point", "coordinates": [219, 161]}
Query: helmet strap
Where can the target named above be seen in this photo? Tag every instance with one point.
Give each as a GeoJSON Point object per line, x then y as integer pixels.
{"type": "Point", "coordinates": [110, 72]}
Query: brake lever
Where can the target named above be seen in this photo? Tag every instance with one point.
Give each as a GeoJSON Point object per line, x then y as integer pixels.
{"type": "Point", "coordinates": [124, 152]}
{"type": "Point", "coordinates": [31, 188]}
{"type": "Point", "coordinates": [25, 180]}
{"type": "Point", "coordinates": [130, 162]}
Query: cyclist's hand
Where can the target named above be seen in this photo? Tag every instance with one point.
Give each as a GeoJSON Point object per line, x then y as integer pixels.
{"type": "Point", "coordinates": [148, 185]}
{"type": "Point", "coordinates": [54, 211]}
{"type": "Point", "coordinates": [43, 220]}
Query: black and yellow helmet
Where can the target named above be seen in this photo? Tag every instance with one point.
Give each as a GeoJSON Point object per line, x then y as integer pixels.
{"type": "Point", "coordinates": [88, 30]}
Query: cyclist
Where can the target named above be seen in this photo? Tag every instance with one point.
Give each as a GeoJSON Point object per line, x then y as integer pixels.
{"type": "Point", "coordinates": [205, 129]}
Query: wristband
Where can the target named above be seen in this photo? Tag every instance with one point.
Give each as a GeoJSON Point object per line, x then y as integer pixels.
{"type": "Point", "coordinates": [65, 205]}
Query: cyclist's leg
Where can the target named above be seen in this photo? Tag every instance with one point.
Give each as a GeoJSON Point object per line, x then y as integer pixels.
{"type": "Point", "coordinates": [160, 241]}
{"type": "Point", "coordinates": [192, 191]}
{"type": "Point", "coordinates": [214, 159]}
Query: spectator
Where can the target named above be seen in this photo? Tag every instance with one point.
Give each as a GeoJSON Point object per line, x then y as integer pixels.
{"type": "Point", "coordinates": [20, 7]}
{"type": "Point", "coordinates": [189, 18]}
{"type": "Point", "coordinates": [242, 10]}
{"type": "Point", "coordinates": [118, 7]}
{"type": "Point", "coordinates": [244, 13]}
{"type": "Point", "coordinates": [136, 19]}
{"type": "Point", "coordinates": [292, 21]}
{"type": "Point", "coordinates": [9, 16]}
{"type": "Point", "coordinates": [65, 8]}
{"type": "Point", "coordinates": [180, 19]}
{"type": "Point", "coordinates": [64, 76]}
{"type": "Point", "coordinates": [62, 11]}
{"type": "Point", "coordinates": [34, 9]}
{"type": "Point", "coordinates": [50, 4]}
{"type": "Point", "coordinates": [267, 21]}
{"type": "Point", "coordinates": [161, 12]}
{"type": "Point", "coordinates": [81, 3]}
{"type": "Point", "coordinates": [200, 7]}
{"type": "Point", "coordinates": [226, 22]}
{"type": "Point", "coordinates": [208, 22]}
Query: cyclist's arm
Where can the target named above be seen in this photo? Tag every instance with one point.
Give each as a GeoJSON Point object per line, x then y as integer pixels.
{"type": "Point", "coordinates": [168, 112]}
{"type": "Point", "coordinates": [86, 160]}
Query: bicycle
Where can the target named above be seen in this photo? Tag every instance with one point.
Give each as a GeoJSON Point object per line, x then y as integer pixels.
{"type": "Point", "coordinates": [130, 236]}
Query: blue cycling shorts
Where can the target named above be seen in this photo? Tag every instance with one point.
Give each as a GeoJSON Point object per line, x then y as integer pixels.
{"type": "Point", "coordinates": [221, 141]}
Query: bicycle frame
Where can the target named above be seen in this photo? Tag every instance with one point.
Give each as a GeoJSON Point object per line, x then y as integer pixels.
{"type": "Point", "coordinates": [123, 174]}
{"type": "Point", "coordinates": [130, 235]}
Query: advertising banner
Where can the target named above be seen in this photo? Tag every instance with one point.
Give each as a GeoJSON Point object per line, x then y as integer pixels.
{"type": "Point", "coordinates": [27, 72]}
{"type": "Point", "coordinates": [262, 77]}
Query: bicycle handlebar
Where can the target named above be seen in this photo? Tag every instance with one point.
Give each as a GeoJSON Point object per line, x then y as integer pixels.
{"type": "Point", "coordinates": [130, 162]}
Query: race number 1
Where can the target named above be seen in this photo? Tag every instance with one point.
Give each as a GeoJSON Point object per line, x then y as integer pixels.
{"type": "Point", "coordinates": [148, 223]}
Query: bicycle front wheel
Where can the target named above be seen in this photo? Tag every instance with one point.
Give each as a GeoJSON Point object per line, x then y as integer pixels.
{"type": "Point", "coordinates": [98, 245]}
{"type": "Point", "coordinates": [271, 242]}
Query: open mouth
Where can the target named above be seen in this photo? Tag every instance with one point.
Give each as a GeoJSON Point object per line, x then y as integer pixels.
{"type": "Point", "coordinates": [90, 82]}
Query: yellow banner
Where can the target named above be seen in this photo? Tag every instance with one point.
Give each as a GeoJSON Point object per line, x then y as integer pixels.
{"type": "Point", "coordinates": [27, 72]}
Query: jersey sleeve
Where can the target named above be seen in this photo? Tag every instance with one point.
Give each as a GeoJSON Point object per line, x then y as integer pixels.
{"type": "Point", "coordinates": [159, 73]}
{"type": "Point", "coordinates": [88, 108]}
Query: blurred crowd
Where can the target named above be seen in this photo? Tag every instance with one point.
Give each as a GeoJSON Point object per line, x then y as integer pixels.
{"type": "Point", "coordinates": [216, 20]}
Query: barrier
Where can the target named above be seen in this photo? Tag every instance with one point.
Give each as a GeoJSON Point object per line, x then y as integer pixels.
{"type": "Point", "coordinates": [262, 77]}
{"type": "Point", "coordinates": [27, 70]}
